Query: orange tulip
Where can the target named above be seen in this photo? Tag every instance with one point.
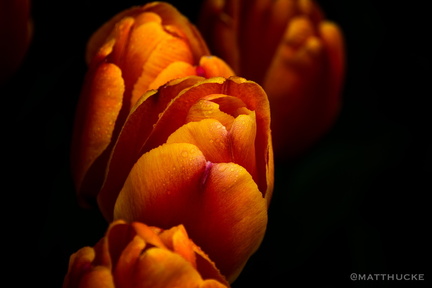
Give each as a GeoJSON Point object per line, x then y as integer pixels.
{"type": "Point", "coordinates": [289, 48]}
{"type": "Point", "coordinates": [16, 31]}
{"type": "Point", "coordinates": [138, 49]}
{"type": "Point", "coordinates": [197, 152]}
{"type": "Point", "coordinates": [137, 255]}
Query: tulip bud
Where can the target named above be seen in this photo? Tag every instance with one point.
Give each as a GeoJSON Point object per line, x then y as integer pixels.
{"type": "Point", "coordinates": [299, 62]}
{"type": "Point", "coordinates": [16, 30]}
{"type": "Point", "coordinates": [197, 152]}
{"type": "Point", "coordinates": [136, 255]}
{"type": "Point", "coordinates": [137, 50]}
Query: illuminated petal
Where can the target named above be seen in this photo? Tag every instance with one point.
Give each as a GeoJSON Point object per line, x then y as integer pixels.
{"type": "Point", "coordinates": [242, 139]}
{"type": "Point", "coordinates": [209, 135]}
{"type": "Point", "coordinates": [169, 50]}
{"type": "Point", "coordinates": [105, 32]}
{"type": "Point", "coordinates": [174, 70]}
{"type": "Point", "coordinates": [161, 183]}
{"type": "Point", "coordinates": [173, 18]}
{"type": "Point", "coordinates": [233, 217]}
{"type": "Point", "coordinates": [97, 110]}
{"type": "Point", "coordinates": [177, 240]}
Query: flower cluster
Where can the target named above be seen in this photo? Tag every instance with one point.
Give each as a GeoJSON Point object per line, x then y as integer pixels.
{"type": "Point", "coordinates": [173, 144]}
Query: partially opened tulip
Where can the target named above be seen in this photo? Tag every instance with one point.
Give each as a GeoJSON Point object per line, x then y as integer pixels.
{"type": "Point", "coordinates": [197, 152]}
{"type": "Point", "coordinates": [138, 49]}
{"type": "Point", "coordinates": [16, 31]}
{"type": "Point", "coordinates": [136, 255]}
{"type": "Point", "coordinates": [293, 51]}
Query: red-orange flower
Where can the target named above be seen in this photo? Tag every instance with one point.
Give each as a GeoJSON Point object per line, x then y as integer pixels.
{"type": "Point", "coordinates": [137, 255]}
{"type": "Point", "coordinates": [15, 33]}
{"type": "Point", "coordinates": [138, 49]}
{"type": "Point", "coordinates": [197, 152]}
{"type": "Point", "coordinates": [289, 48]}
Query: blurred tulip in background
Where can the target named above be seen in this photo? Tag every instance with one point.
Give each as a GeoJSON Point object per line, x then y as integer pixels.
{"type": "Point", "coordinates": [293, 51]}
{"type": "Point", "coordinates": [137, 255]}
{"type": "Point", "coordinates": [16, 30]}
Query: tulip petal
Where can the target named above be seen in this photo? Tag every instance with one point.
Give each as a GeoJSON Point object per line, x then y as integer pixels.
{"type": "Point", "coordinates": [173, 18]}
{"type": "Point", "coordinates": [127, 260]}
{"type": "Point", "coordinates": [161, 183]}
{"type": "Point", "coordinates": [170, 49]}
{"type": "Point", "coordinates": [177, 240]}
{"type": "Point", "coordinates": [255, 99]}
{"type": "Point", "coordinates": [174, 70]}
{"type": "Point", "coordinates": [159, 268]}
{"type": "Point", "coordinates": [79, 263]}
{"type": "Point", "coordinates": [242, 139]}
{"type": "Point", "coordinates": [98, 109]}
{"type": "Point", "coordinates": [233, 217]}
{"type": "Point", "coordinates": [105, 32]}
{"type": "Point", "coordinates": [209, 135]}
{"type": "Point", "coordinates": [214, 66]}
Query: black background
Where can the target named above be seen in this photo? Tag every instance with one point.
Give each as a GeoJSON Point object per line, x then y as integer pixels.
{"type": "Point", "coordinates": [354, 203]}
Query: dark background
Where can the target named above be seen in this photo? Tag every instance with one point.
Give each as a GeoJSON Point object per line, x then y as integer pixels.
{"type": "Point", "coordinates": [354, 203]}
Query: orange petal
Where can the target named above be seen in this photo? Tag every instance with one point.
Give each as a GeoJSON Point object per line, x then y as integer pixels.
{"type": "Point", "coordinates": [161, 184]}
{"type": "Point", "coordinates": [173, 18]}
{"type": "Point", "coordinates": [177, 240]}
{"type": "Point", "coordinates": [98, 107]}
{"type": "Point", "coordinates": [232, 217]}
{"type": "Point", "coordinates": [214, 66]}
{"type": "Point", "coordinates": [242, 139]}
{"type": "Point", "coordinates": [170, 49]}
{"type": "Point", "coordinates": [174, 70]}
{"type": "Point", "coordinates": [255, 99]}
{"type": "Point", "coordinates": [124, 270]}
{"type": "Point", "coordinates": [159, 268]}
{"type": "Point", "coordinates": [102, 35]}
{"type": "Point", "coordinates": [209, 135]}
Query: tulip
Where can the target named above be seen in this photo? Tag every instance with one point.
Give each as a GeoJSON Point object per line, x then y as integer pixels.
{"type": "Point", "coordinates": [137, 255]}
{"type": "Point", "coordinates": [197, 152]}
{"type": "Point", "coordinates": [16, 30]}
{"type": "Point", "coordinates": [138, 49]}
{"type": "Point", "coordinates": [293, 52]}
